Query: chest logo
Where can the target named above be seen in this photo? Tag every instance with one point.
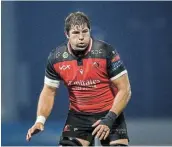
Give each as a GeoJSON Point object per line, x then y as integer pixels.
{"type": "Point", "coordinates": [97, 51]}
{"type": "Point", "coordinates": [96, 64]}
{"type": "Point", "coordinates": [64, 67]}
{"type": "Point", "coordinates": [58, 54]}
{"type": "Point", "coordinates": [65, 55]}
{"type": "Point", "coordinates": [81, 71]}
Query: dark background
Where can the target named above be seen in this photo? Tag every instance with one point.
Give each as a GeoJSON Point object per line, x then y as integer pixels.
{"type": "Point", "coordinates": [140, 31]}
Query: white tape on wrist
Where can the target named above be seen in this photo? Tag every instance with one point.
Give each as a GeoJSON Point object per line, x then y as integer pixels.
{"type": "Point", "coordinates": [40, 119]}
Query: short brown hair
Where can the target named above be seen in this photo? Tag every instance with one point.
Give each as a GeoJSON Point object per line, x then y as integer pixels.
{"type": "Point", "coordinates": [76, 18]}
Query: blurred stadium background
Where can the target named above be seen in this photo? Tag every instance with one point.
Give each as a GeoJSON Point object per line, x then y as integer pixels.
{"type": "Point", "coordinates": [142, 34]}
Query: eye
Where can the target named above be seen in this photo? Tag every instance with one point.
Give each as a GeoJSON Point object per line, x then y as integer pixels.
{"type": "Point", "coordinates": [85, 31]}
{"type": "Point", "coordinates": [75, 32]}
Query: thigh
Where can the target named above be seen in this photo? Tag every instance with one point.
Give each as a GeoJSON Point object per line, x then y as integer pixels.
{"type": "Point", "coordinates": [83, 142]}
{"type": "Point", "coordinates": [119, 141]}
{"type": "Point", "coordinates": [119, 132]}
{"type": "Point", "coordinates": [78, 126]}
{"type": "Point", "coordinates": [72, 141]}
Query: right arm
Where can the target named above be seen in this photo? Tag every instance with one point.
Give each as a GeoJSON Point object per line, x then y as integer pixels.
{"type": "Point", "coordinates": [51, 83]}
{"type": "Point", "coordinates": [45, 105]}
{"type": "Point", "coordinates": [46, 101]}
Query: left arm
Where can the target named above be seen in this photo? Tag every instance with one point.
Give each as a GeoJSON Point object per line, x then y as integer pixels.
{"type": "Point", "coordinates": [123, 95]}
{"type": "Point", "coordinates": [119, 77]}
{"type": "Point", "coordinates": [120, 102]}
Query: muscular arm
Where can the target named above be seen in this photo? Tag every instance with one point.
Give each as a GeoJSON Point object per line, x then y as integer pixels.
{"type": "Point", "coordinates": [124, 94]}
{"type": "Point", "coordinates": [119, 77]}
{"type": "Point", "coordinates": [45, 104]}
{"type": "Point", "coordinates": [46, 101]}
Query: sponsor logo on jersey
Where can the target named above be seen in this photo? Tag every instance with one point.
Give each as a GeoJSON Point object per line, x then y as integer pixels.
{"type": "Point", "coordinates": [81, 71]}
{"type": "Point", "coordinates": [75, 129]}
{"type": "Point", "coordinates": [115, 65]}
{"type": "Point", "coordinates": [96, 51]}
{"type": "Point", "coordinates": [66, 128]}
{"type": "Point", "coordinates": [64, 67]}
{"type": "Point", "coordinates": [58, 54]}
{"type": "Point", "coordinates": [83, 84]}
{"type": "Point", "coordinates": [65, 55]}
{"type": "Point", "coordinates": [96, 64]}
{"type": "Point", "coordinates": [121, 131]}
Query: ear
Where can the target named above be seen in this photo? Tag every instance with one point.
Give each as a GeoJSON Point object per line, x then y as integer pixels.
{"type": "Point", "coordinates": [67, 36]}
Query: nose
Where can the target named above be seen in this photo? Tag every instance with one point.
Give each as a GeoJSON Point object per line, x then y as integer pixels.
{"type": "Point", "coordinates": [81, 36]}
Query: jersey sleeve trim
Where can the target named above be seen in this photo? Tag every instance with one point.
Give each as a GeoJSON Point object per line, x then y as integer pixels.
{"type": "Point", "coordinates": [50, 82]}
{"type": "Point", "coordinates": [118, 75]}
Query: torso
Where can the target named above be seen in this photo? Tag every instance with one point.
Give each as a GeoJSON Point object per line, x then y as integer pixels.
{"type": "Point", "coordinates": [87, 79]}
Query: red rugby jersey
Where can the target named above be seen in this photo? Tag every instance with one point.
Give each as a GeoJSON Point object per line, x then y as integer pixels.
{"type": "Point", "coordinates": [88, 79]}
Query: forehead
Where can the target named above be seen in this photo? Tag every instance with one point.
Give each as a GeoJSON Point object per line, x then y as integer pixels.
{"type": "Point", "coordinates": [78, 27]}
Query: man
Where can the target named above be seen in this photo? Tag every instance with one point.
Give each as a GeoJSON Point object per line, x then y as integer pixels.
{"type": "Point", "coordinates": [98, 85]}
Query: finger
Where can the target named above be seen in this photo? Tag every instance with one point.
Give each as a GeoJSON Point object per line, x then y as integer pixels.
{"type": "Point", "coordinates": [107, 134]}
{"type": "Point", "coordinates": [96, 123]}
{"type": "Point", "coordinates": [96, 129]}
{"type": "Point", "coordinates": [27, 137]}
{"type": "Point", "coordinates": [42, 128]}
{"type": "Point", "coordinates": [106, 129]}
{"type": "Point", "coordinates": [100, 131]}
{"type": "Point", "coordinates": [102, 135]}
{"type": "Point", "coordinates": [30, 134]}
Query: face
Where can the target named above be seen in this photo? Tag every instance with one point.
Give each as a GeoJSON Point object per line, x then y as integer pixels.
{"type": "Point", "coordinates": [79, 37]}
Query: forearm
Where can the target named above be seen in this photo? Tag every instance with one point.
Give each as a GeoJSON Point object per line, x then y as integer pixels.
{"type": "Point", "coordinates": [45, 103]}
{"type": "Point", "coordinates": [121, 101]}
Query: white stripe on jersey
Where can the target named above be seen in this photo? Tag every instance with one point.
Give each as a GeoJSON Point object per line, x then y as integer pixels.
{"type": "Point", "coordinates": [118, 75]}
{"type": "Point", "coordinates": [50, 82]}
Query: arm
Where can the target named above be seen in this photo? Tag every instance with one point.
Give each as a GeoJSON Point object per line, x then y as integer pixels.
{"type": "Point", "coordinates": [123, 95]}
{"type": "Point", "coordinates": [46, 101]}
{"type": "Point", "coordinates": [119, 103]}
{"type": "Point", "coordinates": [45, 104]}
{"type": "Point", "coordinates": [119, 77]}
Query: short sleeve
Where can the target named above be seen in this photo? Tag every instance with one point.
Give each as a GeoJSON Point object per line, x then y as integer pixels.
{"type": "Point", "coordinates": [115, 66]}
{"type": "Point", "coordinates": [51, 76]}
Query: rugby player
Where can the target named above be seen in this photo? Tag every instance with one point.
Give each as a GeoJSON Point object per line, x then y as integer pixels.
{"type": "Point", "coordinates": [98, 86]}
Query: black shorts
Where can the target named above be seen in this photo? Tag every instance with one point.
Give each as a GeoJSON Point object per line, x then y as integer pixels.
{"type": "Point", "coordinates": [79, 125]}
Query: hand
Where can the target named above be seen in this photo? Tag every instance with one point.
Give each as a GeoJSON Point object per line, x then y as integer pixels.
{"type": "Point", "coordinates": [36, 128]}
{"type": "Point", "coordinates": [102, 131]}
{"type": "Point", "coordinates": [104, 125]}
